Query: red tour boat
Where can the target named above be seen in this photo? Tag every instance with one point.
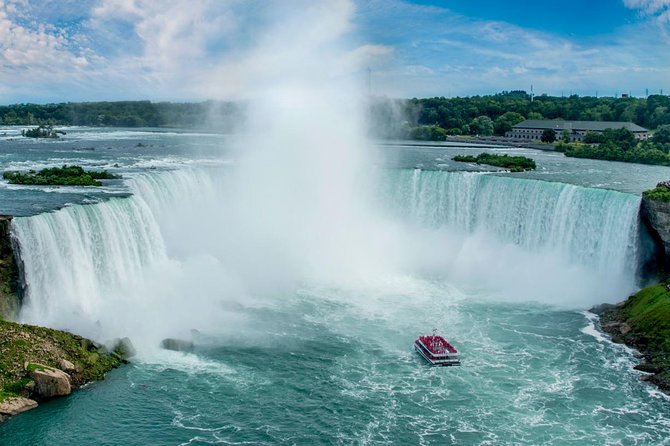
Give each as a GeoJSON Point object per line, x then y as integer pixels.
{"type": "Point", "coordinates": [436, 350]}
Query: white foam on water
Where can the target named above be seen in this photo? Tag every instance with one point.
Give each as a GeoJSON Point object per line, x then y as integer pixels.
{"type": "Point", "coordinates": [591, 329]}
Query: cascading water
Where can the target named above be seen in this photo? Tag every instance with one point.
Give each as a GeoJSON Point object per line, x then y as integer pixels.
{"type": "Point", "coordinates": [593, 227]}
{"type": "Point", "coordinates": [79, 257]}
{"type": "Point", "coordinates": [517, 240]}
{"type": "Point", "coordinates": [93, 268]}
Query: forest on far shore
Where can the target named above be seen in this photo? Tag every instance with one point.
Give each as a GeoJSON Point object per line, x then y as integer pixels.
{"type": "Point", "coordinates": [429, 118]}
{"type": "Point", "coordinates": [436, 118]}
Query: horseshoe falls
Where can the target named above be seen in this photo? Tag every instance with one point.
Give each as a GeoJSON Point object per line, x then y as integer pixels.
{"type": "Point", "coordinates": [537, 238]}
{"type": "Point", "coordinates": [85, 263]}
{"type": "Point", "coordinates": [287, 354]}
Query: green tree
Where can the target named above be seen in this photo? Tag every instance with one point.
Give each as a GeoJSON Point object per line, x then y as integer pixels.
{"type": "Point", "coordinates": [565, 136]}
{"type": "Point", "coordinates": [481, 125]}
{"type": "Point", "coordinates": [548, 135]}
{"type": "Point", "coordinates": [504, 122]}
{"type": "Point", "coordinates": [662, 135]}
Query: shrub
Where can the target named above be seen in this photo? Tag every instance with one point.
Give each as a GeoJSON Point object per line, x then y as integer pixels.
{"type": "Point", "coordinates": [59, 176]}
{"type": "Point", "coordinates": [514, 163]}
{"type": "Point", "coordinates": [660, 193]}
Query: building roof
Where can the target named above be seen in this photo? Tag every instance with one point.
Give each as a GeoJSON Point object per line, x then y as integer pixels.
{"type": "Point", "coordinates": [594, 126]}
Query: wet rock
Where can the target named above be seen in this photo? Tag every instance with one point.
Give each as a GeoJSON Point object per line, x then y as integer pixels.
{"type": "Point", "coordinates": [648, 368]}
{"type": "Point", "coordinates": [124, 348]}
{"type": "Point", "coordinates": [15, 405]}
{"type": "Point", "coordinates": [178, 345]}
{"type": "Point", "coordinates": [602, 308]}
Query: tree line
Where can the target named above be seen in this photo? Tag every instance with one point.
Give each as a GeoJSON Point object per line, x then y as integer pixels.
{"type": "Point", "coordinates": [437, 118]}
{"type": "Point", "coordinates": [125, 114]}
{"type": "Point", "coordinates": [429, 118]}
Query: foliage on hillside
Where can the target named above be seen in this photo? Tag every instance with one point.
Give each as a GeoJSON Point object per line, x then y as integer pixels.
{"type": "Point", "coordinates": [59, 176]}
{"type": "Point", "coordinates": [514, 163]}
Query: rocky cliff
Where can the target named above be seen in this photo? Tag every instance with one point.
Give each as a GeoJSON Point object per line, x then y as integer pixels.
{"type": "Point", "coordinates": [9, 273]}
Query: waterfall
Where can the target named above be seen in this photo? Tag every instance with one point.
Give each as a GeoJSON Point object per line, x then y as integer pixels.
{"type": "Point", "coordinates": [516, 239]}
{"type": "Point", "coordinates": [595, 227]}
{"type": "Point", "coordinates": [169, 250]}
{"type": "Point", "coordinates": [76, 257]}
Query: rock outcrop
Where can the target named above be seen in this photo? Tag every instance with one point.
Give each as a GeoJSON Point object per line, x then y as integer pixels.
{"type": "Point", "coordinates": [49, 382]}
{"type": "Point", "coordinates": [655, 215]}
{"type": "Point", "coordinates": [15, 405]}
{"type": "Point", "coordinates": [9, 273]}
{"type": "Point", "coordinates": [34, 361]}
{"type": "Point", "coordinates": [123, 348]}
{"type": "Point", "coordinates": [178, 345]}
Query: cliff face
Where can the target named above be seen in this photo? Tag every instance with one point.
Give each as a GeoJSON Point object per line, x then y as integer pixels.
{"type": "Point", "coordinates": [9, 273]}
{"type": "Point", "coordinates": [656, 215]}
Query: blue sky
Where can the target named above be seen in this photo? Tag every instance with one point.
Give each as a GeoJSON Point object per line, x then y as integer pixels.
{"type": "Point", "coordinates": [60, 50]}
{"type": "Point", "coordinates": [578, 18]}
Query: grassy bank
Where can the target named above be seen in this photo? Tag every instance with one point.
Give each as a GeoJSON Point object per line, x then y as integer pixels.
{"type": "Point", "coordinates": [643, 322]}
{"type": "Point", "coordinates": [21, 343]}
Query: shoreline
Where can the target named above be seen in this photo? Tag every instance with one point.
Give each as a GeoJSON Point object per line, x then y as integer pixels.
{"type": "Point", "coordinates": [641, 322]}
{"type": "Point", "coordinates": [38, 364]}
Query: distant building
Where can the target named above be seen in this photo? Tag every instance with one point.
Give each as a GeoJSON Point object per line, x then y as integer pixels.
{"type": "Point", "coordinates": [531, 129]}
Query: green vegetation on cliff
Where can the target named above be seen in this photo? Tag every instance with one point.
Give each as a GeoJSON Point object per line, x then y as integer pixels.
{"type": "Point", "coordinates": [643, 321]}
{"type": "Point", "coordinates": [660, 193]}
{"type": "Point", "coordinates": [514, 163]}
{"type": "Point", "coordinates": [20, 344]}
{"type": "Point", "coordinates": [60, 176]}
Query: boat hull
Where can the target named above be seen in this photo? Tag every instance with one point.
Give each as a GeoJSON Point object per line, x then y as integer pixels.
{"type": "Point", "coordinates": [448, 361]}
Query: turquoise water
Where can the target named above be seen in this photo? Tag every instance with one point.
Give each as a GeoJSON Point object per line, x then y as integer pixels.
{"type": "Point", "coordinates": [503, 267]}
{"type": "Point", "coordinates": [327, 367]}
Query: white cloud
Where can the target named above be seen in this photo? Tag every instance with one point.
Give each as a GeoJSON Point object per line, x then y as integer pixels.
{"type": "Point", "coordinates": [658, 8]}
{"type": "Point", "coordinates": [39, 47]}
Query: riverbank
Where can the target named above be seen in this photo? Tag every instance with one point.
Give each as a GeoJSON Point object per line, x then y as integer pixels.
{"type": "Point", "coordinates": [502, 141]}
{"type": "Point", "coordinates": [38, 363]}
{"type": "Point", "coordinates": [643, 322]}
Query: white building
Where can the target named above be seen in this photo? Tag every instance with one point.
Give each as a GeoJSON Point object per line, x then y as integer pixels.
{"type": "Point", "coordinates": [531, 129]}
